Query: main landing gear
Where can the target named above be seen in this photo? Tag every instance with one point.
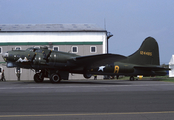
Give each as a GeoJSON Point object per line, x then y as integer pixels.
{"type": "Point", "coordinates": [38, 77]}
{"type": "Point", "coordinates": [54, 76]}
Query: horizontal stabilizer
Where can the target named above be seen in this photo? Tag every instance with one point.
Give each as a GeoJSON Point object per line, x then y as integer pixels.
{"type": "Point", "coordinates": [151, 68]}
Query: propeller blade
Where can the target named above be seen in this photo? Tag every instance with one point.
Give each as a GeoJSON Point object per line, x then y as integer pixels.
{"type": "Point", "coordinates": [33, 57]}
{"type": "Point", "coordinates": [46, 56]}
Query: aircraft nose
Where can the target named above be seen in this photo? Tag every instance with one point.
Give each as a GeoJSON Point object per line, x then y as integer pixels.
{"type": "Point", "coordinates": [5, 55]}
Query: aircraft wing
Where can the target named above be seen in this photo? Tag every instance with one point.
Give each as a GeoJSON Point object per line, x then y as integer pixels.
{"type": "Point", "coordinates": [97, 60]}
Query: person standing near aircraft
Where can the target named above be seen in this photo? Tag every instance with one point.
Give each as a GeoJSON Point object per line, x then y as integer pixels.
{"type": "Point", "coordinates": [18, 75]}
{"type": "Point", "coordinates": [95, 77]}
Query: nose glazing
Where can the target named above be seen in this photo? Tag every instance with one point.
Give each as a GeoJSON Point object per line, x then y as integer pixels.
{"type": "Point", "coordinates": [5, 55]}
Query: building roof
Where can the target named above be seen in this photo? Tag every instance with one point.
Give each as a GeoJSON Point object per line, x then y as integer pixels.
{"type": "Point", "coordinates": [50, 28]}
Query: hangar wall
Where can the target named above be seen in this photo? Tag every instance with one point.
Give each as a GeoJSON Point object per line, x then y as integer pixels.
{"type": "Point", "coordinates": [53, 38]}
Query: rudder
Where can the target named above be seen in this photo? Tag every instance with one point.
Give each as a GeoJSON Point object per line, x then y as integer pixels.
{"type": "Point", "coordinates": [147, 54]}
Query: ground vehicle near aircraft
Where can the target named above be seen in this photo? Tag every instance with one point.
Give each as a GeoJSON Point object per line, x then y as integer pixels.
{"type": "Point", "coordinates": [57, 65]}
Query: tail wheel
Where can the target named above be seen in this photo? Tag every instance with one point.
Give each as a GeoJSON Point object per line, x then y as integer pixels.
{"type": "Point", "coordinates": [55, 78]}
{"type": "Point", "coordinates": [131, 78]}
{"type": "Point", "coordinates": [38, 78]}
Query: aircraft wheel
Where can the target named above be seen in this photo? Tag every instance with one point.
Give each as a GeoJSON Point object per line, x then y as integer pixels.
{"type": "Point", "coordinates": [87, 75]}
{"type": "Point", "coordinates": [132, 78]}
{"type": "Point", "coordinates": [37, 78]}
{"type": "Point", "coordinates": [55, 78]}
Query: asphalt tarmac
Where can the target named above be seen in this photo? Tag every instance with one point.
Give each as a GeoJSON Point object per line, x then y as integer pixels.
{"type": "Point", "coordinates": [87, 99]}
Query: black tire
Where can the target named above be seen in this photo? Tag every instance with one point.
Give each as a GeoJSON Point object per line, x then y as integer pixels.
{"type": "Point", "coordinates": [37, 78]}
{"type": "Point", "coordinates": [55, 78]}
{"type": "Point", "coordinates": [87, 75]}
{"type": "Point", "coordinates": [132, 78]}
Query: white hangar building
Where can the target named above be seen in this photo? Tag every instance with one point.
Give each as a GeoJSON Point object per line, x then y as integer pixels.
{"type": "Point", "coordinates": [81, 39]}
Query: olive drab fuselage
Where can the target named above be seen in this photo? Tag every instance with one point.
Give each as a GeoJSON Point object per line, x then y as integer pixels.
{"type": "Point", "coordinates": [57, 65]}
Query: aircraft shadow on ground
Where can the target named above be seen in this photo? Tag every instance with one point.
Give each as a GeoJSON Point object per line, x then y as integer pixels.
{"type": "Point", "coordinates": [150, 79]}
{"type": "Point", "coordinates": [95, 82]}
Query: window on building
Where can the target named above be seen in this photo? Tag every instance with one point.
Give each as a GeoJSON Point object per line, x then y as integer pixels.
{"type": "Point", "coordinates": [0, 50]}
{"type": "Point", "coordinates": [18, 48]}
{"type": "Point", "coordinates": [74, 49]}
{"type": "Point", "coordinates": [56, 48]}
{"type": "Point", "coordinates": [93, 49]}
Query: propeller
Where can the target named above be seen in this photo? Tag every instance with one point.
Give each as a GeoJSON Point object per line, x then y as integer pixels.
{"type": "Point", "coordinates": [31, 59]}
{"type": "Point", "coordinates": [46, 56]}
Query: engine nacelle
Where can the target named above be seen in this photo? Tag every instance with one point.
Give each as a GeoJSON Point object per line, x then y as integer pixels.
{"type": "Point", "coordinates": [39, 59]}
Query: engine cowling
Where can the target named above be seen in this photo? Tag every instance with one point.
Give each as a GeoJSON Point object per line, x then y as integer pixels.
{"type": "Point", "coordinates": [39, 60]}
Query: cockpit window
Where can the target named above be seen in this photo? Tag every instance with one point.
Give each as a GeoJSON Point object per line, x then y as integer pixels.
{"type": "Point", "coordinates": [32, 49]}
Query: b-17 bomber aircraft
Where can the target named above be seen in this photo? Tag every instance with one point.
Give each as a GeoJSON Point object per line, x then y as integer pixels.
{"type": "Point", "coordinates": [57, 65]}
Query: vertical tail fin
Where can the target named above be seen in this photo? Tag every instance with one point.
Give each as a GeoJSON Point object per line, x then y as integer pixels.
{"type": "Point", "coordinates": [147, 54]}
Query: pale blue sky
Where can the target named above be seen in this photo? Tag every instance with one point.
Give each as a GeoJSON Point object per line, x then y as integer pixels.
{"type": "Point", "coordinates": [130, 21]}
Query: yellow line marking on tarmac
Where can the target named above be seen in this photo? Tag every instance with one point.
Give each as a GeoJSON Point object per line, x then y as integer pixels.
{"type": "Point", "coordinates": [87, 114]}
